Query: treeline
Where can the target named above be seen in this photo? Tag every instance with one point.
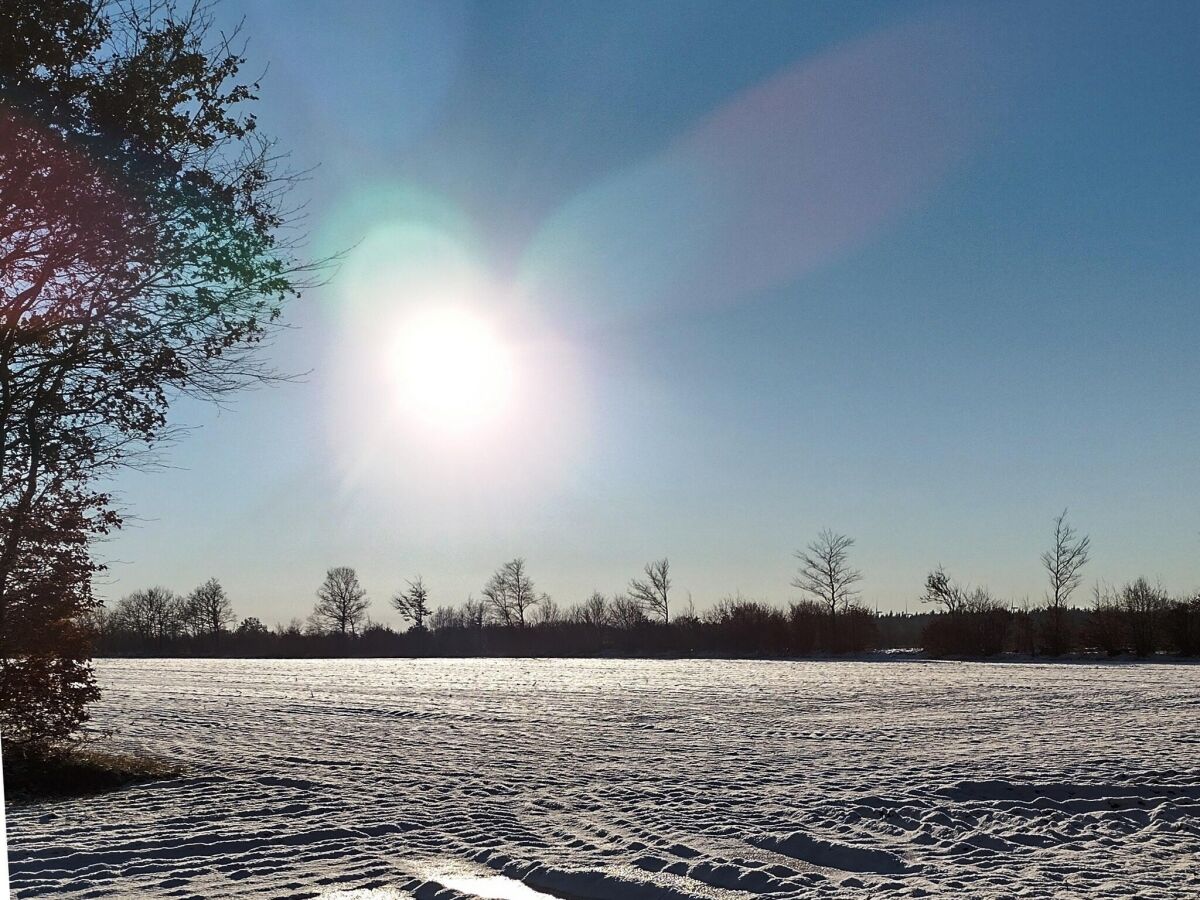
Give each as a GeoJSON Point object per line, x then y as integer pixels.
{"type": "Point", "coordinates": [512, 618]}
{"type": "Point", "coordinates": [1137, 620]}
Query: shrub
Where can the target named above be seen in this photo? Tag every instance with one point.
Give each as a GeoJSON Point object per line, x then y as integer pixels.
{"type": "Point", "coordinates": [1143, 607]}
{"type": "Point", "coordinates": [1182, 626]}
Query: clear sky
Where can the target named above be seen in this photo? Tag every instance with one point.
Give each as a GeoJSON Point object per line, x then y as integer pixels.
{"type": "Point", "coordinates": [627, 280]}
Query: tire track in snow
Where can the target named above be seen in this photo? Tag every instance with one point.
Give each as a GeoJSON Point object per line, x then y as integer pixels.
{"type": "Point", "coordinates": [616, 779]}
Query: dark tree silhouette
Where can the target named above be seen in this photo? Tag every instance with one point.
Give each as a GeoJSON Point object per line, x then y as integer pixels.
{"type": "Point", "coordinates": [251, 626]}
{"type": "Point", "coordinates": [625, 612]}
{"type": "Point", "coordinates": [826, 573]}
{"type": "Point", "coordinates": [1063, 564]}
{"type": "Point", "coordinates": [342, 603]}
{"type": "Point", "coordinates": [1105, 625]}
{"type": "Point", "coordinates": [413, 604]}
{"type": "Point", "coordinates": [594, 611]}
{"type": "Point", "coordinates": [652, 594]}
{"type": "Point", "coordinates": [141, 256]}
{"type": "Point", "coordinates": [970, 622]}
{"type": "Point", "coordinates": [942, 591]}
{"type": "Point", "coordinates": [474, 613]}
{"type": "Point", "coordinates": [509, 594]}
{"type": "Point", "coordinates": [210, 609]}
{"type": "Point", "coordinates": [547, 612]}
{"type": "Point", "coordinates": [45, 679]}
{"type": "Point", "coordinates": [148, 613]}
{"type": "Point", "coordinates": [1144, 607]}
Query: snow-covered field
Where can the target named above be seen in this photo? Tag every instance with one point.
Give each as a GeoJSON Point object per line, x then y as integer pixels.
{"type": "Point", "coordinates": [632, 779]}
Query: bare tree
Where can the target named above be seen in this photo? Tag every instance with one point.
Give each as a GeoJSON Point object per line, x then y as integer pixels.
{"type": "Point", "coordinates": [826, 572]}
{"type": "Point", "coordinates": [495, 599]}
{"type": "Point", "coordinates": [185, 618]}
{"type": "Point", "coordinates": [547, 612]}
{"type": "Point", "coordinates": [341, 602]}
{"type": "Point", "coordinates": [1143, 605]}
{"type": "Point", "coordinates": [626, 612]}
{"type": "Point", "coordinates": [939, 589]}
{"type": "Point", "coordinates": [474, 612]}
{"type": "Point", "coordinates": [1063, 564]}
{"type": "Point", "coordinates": [446, 617]}
{"type": "Point", "coordinates": [593, 611]}
{"type": "Point", "coordinates": [209, 609]}
{"type": "Point", "coordinates": [1106, 626]}
{"type": "Point", "coordinates": [293, 629]}
{"type": "Point", "coordinates": [652, 594]}
{"type": "Point", "coordinates": [413, 604]}
{"type": "Point", "coordinates": [251, 627]}
{"type": "Point", "coordinates": [148, 613]}
{"type": "Point", "coordinates": [509, 593]}
{"type": "Point", "coordinates": [689, 611]}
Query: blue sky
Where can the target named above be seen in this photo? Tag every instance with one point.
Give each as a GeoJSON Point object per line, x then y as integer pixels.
{"type": "Point", "coordinates": [922, 273]}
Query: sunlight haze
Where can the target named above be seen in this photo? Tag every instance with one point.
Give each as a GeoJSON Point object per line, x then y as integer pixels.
{"type": "Point", "coordinates": [625, 281]}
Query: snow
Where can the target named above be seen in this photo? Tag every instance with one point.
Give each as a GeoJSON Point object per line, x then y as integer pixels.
{"type": "Point", "coordinates": [534, 779]}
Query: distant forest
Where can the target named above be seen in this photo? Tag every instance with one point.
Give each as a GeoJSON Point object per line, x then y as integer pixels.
{"type": "Point", "coordinates": [511, 618]}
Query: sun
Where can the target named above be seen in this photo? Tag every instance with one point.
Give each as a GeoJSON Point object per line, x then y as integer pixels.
{"type": "Point", "coordinates": [454, 371]}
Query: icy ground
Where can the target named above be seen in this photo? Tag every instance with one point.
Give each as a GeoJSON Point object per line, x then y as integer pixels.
{"type": "Point", "coordinates": [636, 779]}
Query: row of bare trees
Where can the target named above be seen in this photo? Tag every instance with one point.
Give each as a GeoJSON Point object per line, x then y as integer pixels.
{"type": "Point", "coordinates": [966, 621]}
{"type": "Point", "coordinates": [509, 599]}
{"type": "Point", "coordinates": [155, 616]}
{"type": "Point", "coordinates": [1138, 618]}
{"type": "Point", "coordinates": [974, 622]}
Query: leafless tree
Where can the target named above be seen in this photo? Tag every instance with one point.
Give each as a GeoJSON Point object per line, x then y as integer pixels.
{"type": "Point", "coordinates": [1105, 628]}
{"type": "Point", "coordinates": [980, 601]}
{"type": "Point", "coordinates": [209, 609]}
{"type": "Point", "coordinates": [251, 627]}
{"type": "Point", "coordinates": [689, 611]}
{"type": "Point", "coordinates": [626, 612]}
{"type": "Point", "coordinates": [547, 612]}
{"type": "Point", "coordinates": [1063, 564]}
{"type": "Point", "coordinates": [474, 613]}
{"type": "Point", "coordinates": [942, 591]}
{"type": "Point", "coordinates": [593, 611]}
{"type": "Point", "coordinates": [413, 604]}
{"type": "Point", "coordinates": [293, 629]}
{"type": "Point", "coordinates": [1143, 606]}
{"type": "Point", "coordinates": [495, 599]}
{"type": "Point", "coordinates": [510, 593]}
{"type": "Point", "coordinates": [186, 620]}
{"type": "Point", "coordinates": [446, 617]}
{"type": "Point", "coordinates": [148, 613]}
{"type": "Point", "coordinates": [341, 602]}
{"type": "Point", "coordinates": [652, 594]}
{"type": "Point", "coordinates": [826, 572]}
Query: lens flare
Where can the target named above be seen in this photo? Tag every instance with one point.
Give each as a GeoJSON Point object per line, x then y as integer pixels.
{"type": "Point", "coordinates": [454, 371]}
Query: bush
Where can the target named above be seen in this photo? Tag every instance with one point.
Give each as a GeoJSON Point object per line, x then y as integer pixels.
{"type": "Point", "coordinates": [808, 626]}
{"type": "Point", "coordinates": [1054, 632]}
{"type": "Point", "coordinates": [748, 627]}
{"type": "Point", "coordinates": [855, 630]}
{"type": "Point", "coordinates": [977, 626]}
{"type": "Point", "coordinates": [1143, 608]}
{"type": "Point", "coordinates": [77, 770]}
{"type": "Point", "coordinates": [1182, 627]}
{"type": "Point", "coordinates": [1105, 626]}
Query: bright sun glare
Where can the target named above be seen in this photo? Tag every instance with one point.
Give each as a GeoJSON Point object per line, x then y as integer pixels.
{"type": "Point", "coordinates": [455, 372]}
